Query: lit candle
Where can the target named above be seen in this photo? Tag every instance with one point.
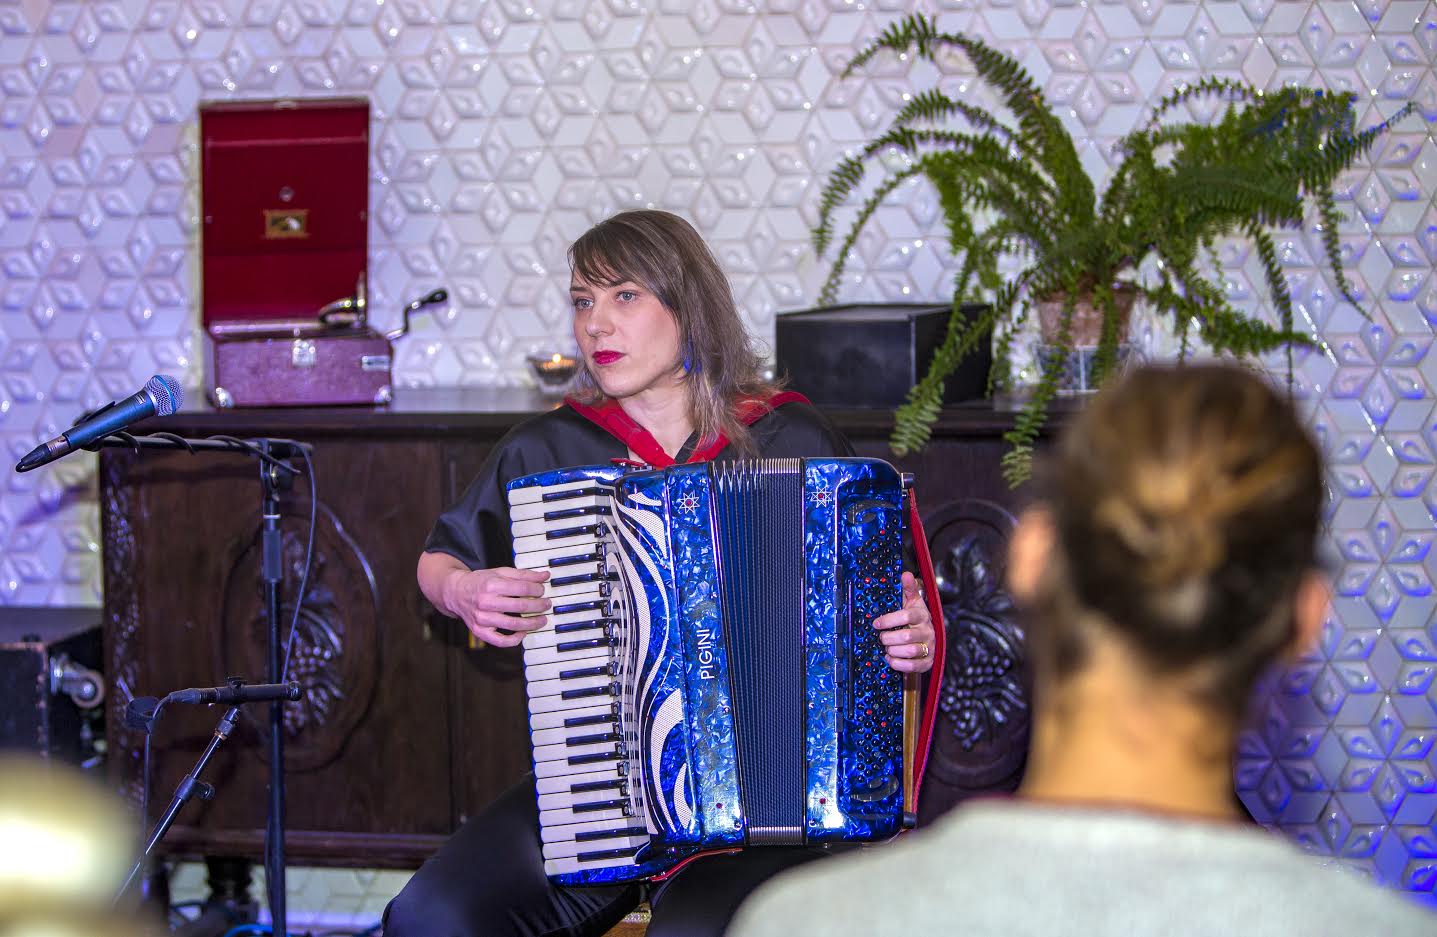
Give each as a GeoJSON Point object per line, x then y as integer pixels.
{"type": "Point", "coordinates": [554, 371]}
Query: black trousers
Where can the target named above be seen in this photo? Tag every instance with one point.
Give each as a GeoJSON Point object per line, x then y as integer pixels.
{"type": "Point", "coordinates": [488, 881]}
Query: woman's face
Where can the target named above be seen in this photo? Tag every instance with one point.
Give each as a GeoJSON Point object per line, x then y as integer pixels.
{"type": "Point", "coordinates": [629, 340]}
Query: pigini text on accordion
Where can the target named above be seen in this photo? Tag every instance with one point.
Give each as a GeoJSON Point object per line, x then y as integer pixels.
{"type": "Point", "coordinates": [709, 677]}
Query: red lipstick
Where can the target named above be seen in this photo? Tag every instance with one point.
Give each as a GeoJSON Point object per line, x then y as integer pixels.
{"type": "Point", "coordinates": [607, 357]}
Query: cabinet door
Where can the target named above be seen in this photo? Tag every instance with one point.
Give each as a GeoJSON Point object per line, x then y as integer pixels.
{"type": "Point", "coordinates": [490, 717]}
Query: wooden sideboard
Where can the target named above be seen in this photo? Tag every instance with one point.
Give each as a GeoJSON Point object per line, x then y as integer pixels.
{"type": "Point", "coordinates": [405, 729]}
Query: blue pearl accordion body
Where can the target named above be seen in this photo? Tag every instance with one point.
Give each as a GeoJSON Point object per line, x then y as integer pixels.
{"type": "Point", "coordinates": [710, 677]}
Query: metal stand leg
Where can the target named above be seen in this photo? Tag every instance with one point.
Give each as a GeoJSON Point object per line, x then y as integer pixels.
{"type": "Point", "coordinates": [190, 786]}
{"type": "Point", "coordinates": [272, 560]}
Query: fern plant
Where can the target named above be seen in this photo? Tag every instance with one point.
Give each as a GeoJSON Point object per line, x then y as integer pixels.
{"type": "Point", "coordinates": [1016, 188]}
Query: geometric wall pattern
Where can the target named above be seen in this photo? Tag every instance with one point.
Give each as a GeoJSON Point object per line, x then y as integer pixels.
{"type": "Point", "coordinates": [501, 130]}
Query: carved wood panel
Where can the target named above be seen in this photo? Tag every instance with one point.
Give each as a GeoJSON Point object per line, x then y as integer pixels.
{"type": "Point", "coordinates": [980, 742]}
{"type": "Point", "coordinates": [331, 653]}
{"type": "Point", "coordinates": [124, 644]}
{"type": "Point", "coordinates": [184, 607]}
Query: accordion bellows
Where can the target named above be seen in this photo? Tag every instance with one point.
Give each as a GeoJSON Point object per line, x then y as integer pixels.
{"type": "Point", "coordinates": [709, 677]}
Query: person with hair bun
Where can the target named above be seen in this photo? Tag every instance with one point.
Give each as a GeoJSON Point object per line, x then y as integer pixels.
{"type": "Point", "coordinates": [1170, 561]}
{"type": "Point", "coordinates": [670, 376]}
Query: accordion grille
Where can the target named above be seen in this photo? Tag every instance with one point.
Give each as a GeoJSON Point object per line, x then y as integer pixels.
{"type": "Point", "coordinates": [758, 528]}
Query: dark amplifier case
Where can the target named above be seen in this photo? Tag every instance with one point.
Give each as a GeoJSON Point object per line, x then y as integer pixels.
{"type": "Point", "coordinates": [50, 682]}
{"type": "Point", "coordinates": [867, 355]}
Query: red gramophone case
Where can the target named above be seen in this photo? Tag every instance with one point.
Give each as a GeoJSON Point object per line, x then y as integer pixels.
{"type": "Point", "coordinates": [284, 188]}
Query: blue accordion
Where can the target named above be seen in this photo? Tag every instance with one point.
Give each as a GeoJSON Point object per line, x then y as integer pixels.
{"type": "Point", "coordinates": [709, 677]}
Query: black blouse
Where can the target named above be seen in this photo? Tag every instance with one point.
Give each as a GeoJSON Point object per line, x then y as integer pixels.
{"type": "Point", "coordinates": [475, 530]}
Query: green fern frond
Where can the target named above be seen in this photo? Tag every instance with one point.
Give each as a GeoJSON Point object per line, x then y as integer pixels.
{"type": "Point", "coordinates": [1276, 285]}
{"type": "Point", "coordinates": [1321, 164]}
{"type": "Point", "coordinates": [991, 180]}
{"type": "Point", "coordinates": [870, 205]}
{"type": "Point", "coordinates": [933, 106]}
{"type": "Point", "coordinates": [1039, 126]}
{"type": "Point", "coordinates": [1001, 374]}
{"type": "Point", "coordinates": [844, 178]}
{"type": "Point", "coordinates": [1007, 179]}
{"type": "Point", "coordinates": [1332, 246]}
{"type": "Point", "coordinates": [1225, 199]}
{"type": "Point", "coordinates": [914, 419]}
{"type": "Point", "coordinates": [1232, 89]}
{"type": "Point", "coordinates": [1040, 130]}
{"type": "Point", "coordinates": [914, 30]}
{"type": "Point", "coordinates": [1017, 463]}
{"type": "Point", "coordinates": [1106, 357]}
{"type": "Point", "coordinates": [1272, 274]}
{"type": "Point", "coordinates": [1223, 327]}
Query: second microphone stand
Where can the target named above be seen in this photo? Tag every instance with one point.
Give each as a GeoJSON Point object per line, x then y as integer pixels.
{"type": "Point", "coordinates": [190, 787]}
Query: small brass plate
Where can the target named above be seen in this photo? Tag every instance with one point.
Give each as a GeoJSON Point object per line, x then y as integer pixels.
{"type": "Point", "coordinates": [286, 223]}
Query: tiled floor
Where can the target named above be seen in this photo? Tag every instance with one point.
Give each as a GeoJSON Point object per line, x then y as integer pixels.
{"type": "Point", "coordinates": [318, 899]}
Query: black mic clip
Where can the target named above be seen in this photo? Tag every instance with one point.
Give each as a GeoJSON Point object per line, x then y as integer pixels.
{"type": "Point", "coordinates": [140, 713]}
{"type": "Point", "coordinates": [236, 692]}
{"type": "Point", "coordinates": [91, 414]}
{"type": "Point", "coordinates": [192, 786]}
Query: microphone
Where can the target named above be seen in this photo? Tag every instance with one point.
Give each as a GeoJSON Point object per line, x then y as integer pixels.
{"type": "Point", "coordinates": [160, 396]}
{"type": "Point", "coordinates": [237, 694]}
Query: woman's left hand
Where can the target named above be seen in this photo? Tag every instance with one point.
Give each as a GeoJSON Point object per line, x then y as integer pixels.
{"type": "Point", "coordinates": [908, 633]}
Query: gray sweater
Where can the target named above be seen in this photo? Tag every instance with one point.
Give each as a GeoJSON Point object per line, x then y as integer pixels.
{"type": "Point", "coordinates": [1015, 868]}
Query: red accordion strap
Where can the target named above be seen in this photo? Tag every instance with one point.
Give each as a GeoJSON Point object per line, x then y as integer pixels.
{"type": "Point", "coordinates": [749, 411]}
{"type": "Point", "coordinates": [612, 418]}
{"type": "Point", "coordinates": [940, 642]}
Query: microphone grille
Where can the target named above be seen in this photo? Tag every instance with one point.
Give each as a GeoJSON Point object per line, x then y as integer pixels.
{"type": "Point", "coordinates": [166, 393]}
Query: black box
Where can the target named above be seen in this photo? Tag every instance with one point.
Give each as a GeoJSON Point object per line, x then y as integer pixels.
{"type": "Point", "coordinates": [50, 686]}
{"type": "Point", "coordinates": [869, 354]}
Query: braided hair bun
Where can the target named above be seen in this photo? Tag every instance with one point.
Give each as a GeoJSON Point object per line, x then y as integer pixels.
{"type": "Point", "coordinates": [1187, 504]}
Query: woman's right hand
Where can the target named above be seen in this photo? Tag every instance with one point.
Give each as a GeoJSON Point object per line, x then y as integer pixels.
{"type": "Point", "coordinates": [490, 601]}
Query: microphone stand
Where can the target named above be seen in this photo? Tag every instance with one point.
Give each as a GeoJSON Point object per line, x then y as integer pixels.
{"type": "Point", "coordinates": [272, 481]}
{"type": "Point", "coordinates": [190, 786]}
{"type": "Point", "coordinates": [276, 475]}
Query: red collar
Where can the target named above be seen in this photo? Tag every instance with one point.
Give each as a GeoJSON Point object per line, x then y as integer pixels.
{"type": "Point", "coordinates": [611, 417]}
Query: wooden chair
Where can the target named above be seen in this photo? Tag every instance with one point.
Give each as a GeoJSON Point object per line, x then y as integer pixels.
{"type": "Point", "coordinates": [634, 924]}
